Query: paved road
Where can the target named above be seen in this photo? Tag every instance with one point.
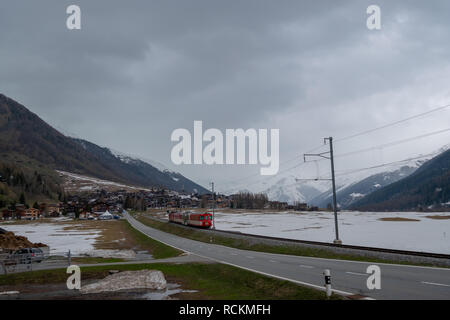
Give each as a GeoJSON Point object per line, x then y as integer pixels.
{"type": "Point", "coordinates": [348, 277]}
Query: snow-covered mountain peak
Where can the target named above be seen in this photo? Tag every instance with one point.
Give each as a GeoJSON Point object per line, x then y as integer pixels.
{"type": "Point", "coordinates": [126, 158]}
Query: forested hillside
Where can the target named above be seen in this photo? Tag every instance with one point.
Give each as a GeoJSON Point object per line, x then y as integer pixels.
{"type": "Point", "coordinates": [428, 186]}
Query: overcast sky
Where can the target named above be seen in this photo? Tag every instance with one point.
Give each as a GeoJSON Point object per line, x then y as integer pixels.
{"type": "Point", "coordinates": [137, 70]}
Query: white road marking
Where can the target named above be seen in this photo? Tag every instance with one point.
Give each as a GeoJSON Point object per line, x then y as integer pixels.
{"type": "Point", "coordinates": [250, 257]}
{"type": "Point", "coordinates": [136, 224]}
{"type": "Point", "coordinates": [272, 260]}
{"type": "Point", "coordinates": [356, 273]}
{"type": "Point", "coordinates": [436, 284]}
{"type": "Point", "coordinates": [304, 266]}
{"type": "Point", "coordinates": [233, 254]}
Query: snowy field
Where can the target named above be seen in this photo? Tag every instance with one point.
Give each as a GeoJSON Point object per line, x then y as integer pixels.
{"type": "Point", "coordinates": [355, 228]}
{"type": "Point", "coordinates": [57, 236]}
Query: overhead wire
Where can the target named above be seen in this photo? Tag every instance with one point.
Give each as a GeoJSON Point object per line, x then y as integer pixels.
{"type": "Point", "coordinates": [357, 151]}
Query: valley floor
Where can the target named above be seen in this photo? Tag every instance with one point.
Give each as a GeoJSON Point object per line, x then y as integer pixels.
{"type": "Point", "coordinates": [414, 231]}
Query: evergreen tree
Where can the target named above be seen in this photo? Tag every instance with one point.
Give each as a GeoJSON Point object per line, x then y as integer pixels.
{"type": "Point", "coordinates": [22, 198]}
{"type": "Point", "coordinates": [77, 213]}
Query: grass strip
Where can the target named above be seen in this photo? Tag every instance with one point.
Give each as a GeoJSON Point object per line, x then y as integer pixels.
{"type": "Point", "coordinates": [157, 249]}
{"type": "Point", "coordinates": [212, 281]}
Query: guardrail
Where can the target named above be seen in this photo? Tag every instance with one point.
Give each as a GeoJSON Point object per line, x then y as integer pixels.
{"type": "Point", "coordinates": [14, 262]}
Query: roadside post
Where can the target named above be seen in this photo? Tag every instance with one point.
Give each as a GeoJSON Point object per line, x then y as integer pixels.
{"type": "Point", "coordinates": [69, 258]}
{"type": "Point", "coordinates": [327, 275]}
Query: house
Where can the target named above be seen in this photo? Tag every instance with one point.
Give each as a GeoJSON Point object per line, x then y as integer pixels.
{"type": "Point", "coordinates": [106, 216]}
{"type": "Point", "coordinates": [100, 207]}
{"type": "Point", "coordinates": [52, 210]}
{"type": "Point", "coordinates": [19, 212]}
{"type": "Point", "coordinates": [83, 215]}
{"type": "Point", "coordinates": [53, 214]}
{"type": "Point", "coordinates": [31, 214]}
{"type": "Point", "coordinates": [278, 205]}
{"type": "Point", "coordinates": [7, 214]}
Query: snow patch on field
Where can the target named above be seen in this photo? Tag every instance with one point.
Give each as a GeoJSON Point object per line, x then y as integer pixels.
{"type": "Point", "coordinates": [355, 228]}
{"type": "Point", "coordinates": [86, 183]}
{"type": "Point", "coordinates": [355, 195]}
{"type": "Point", "coordinates": [111, 253]}
{"type": "Point", "coordinates": [57, 237]}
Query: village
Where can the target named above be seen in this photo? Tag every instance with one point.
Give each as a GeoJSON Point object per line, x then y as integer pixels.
{"type": "Point", "coordinates": [105, 205]}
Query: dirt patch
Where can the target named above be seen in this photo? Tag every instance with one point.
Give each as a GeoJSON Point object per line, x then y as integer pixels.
{"type": "Point", "coordinates": [398, 219]}
{"type": "Point", "coordinates": [10, 241]}
{"type": "Point", "coordinates": [114, 234]}
{"type": "Point", "coordinates": [438, 217]}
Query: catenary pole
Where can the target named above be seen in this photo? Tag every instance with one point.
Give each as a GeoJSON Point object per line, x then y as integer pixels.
{"type": "Point", "coordinates": [337, 240]}
{"type": "Point", "coordinates": [333, 181]}
{"type": "Point", "coordinates": [214, 204]}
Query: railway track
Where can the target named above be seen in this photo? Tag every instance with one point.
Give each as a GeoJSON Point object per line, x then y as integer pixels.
{"type": "Point", "coordinates": [318, 243]}
{"type": "Point", "coordinates": [344, 246]}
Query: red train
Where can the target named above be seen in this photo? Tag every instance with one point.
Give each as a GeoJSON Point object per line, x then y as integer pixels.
{"type": "Point", "coordinates": [187, 218]}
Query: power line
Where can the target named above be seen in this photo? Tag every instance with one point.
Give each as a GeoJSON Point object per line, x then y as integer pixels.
{"type": "Point", "coordinates": [281, 171]}
{"type": "Point", "coordinates": [287, 169]}
{"type": "Point", "coordinates": [348, 172]}
{"type": "Point", "coordinates": [350, 137]}
{"type": "Point", "coordinates": [387, 126]}
{"type": "Point", "coordinates": [384, 164]}
{"type": "Point", "coordinates": [393, 123]}
{"type": "Point", "coordinates": [370, 131]}
{"type": "Point", "coordinates": [390, 144]}
{"type": "Point", "coordinates": [351, 171]}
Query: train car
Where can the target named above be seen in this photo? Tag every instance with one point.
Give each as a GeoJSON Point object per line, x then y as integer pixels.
{"type": "Point", "coordinates": [188, 218]}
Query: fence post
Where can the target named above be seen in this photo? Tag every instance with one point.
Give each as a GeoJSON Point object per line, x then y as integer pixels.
{"type": "Point", "coordinates": [69, 258]}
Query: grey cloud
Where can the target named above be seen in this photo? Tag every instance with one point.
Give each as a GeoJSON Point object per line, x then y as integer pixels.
{"type": "Point", "coordinates": [137, 70]}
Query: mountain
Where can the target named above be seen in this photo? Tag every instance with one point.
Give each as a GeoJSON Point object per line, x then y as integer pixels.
{"type": "Point", "coordinates": [138, 171]}
{"type": "Point", "coordinates": [286, 188]}
{"type": "Point", "coordinates": [347, 194]}
{"type": "Point", "coordinates": [428, 186]}
{"type": "Point", "coordinates": [26, 136]}
{"type": "Point", "coordinates": [351, 186]}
